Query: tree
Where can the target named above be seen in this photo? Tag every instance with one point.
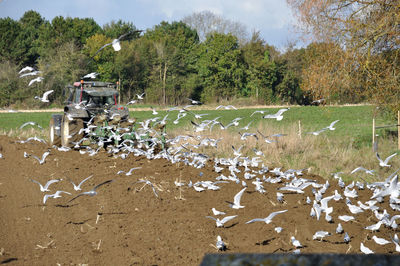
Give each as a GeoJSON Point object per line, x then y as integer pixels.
{"type": "Point", "coordinates": [368, 34]}
{"type": "Point", "coordinates": [116, 29]}
{"type": "Point", "coordinates": [221, 67]}
{"type": "Point", "coordinates": [206, 23]}
{"type": "Point", "coordinates": [9, 47]}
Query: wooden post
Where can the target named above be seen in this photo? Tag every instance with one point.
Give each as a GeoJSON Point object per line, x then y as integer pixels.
{"type": "Point", "coordinates": [398, 130]}
{"type": "Point", "coordinates": [373, 133]}
{"type": "Point", "coordinates": [299, 128]}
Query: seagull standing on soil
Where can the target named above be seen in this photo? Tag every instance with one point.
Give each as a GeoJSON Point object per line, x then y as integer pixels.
{"type": "Point", "coordinates": [44, 97]}
{"type": "Point", "coordinates": [365, 250]}
{"type": "Point", "coordinates": [295, 242]}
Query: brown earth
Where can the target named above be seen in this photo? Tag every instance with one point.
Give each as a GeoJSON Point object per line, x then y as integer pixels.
{"type": "Point", "coordinates": [126, 224]}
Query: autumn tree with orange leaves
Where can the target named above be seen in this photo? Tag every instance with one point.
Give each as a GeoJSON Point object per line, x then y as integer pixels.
{"type": "Point", "coordinates": [355, 49]}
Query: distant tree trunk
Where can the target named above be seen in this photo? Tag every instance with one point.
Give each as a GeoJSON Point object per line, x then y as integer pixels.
{"type": "Point", "coordinates": [164, 82]}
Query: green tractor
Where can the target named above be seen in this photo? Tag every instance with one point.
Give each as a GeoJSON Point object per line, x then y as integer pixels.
{"type": "Point", "coordinates": [92, 111]}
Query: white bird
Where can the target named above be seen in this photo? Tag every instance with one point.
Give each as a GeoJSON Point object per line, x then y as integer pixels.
{"type": "Point", "coordinates": [129, 172]}
{"type": "Point", "coordinates": [27, 68]}
{"type": "Point", "coordinates": [38, 79]}
{"type": "Point", "coordinates": [316, 133]}
{"type": "Point", "coordinates": [154, 112]}
{"type": "Point", "coordinates": [278, 229]}
{"type": "Point", "coordinates": [92, 75]}
{"type": "Point", "coordinates": [220, 245]}
{"type": "Point", "coordinates": [215, 212]}
{"type": "Point", "coordinates": [371, 172]}
{"type": "Point", "coordinates": [115, 43]}
{"type": "Point", "coordinates": [236, 200]}
{"type": "Point", "coordinates": [78, 187]}
{"type": "Point", "coordinates": [131, 102]}
{"type": "Point", "coordinates": [278, 115]}
{"type": "Point", "coordinates": [295, 242]}
{"type": "Point", "coordinates": [44, 97]}
{"type": "Point", "coordinates": [227, 107]}
{"type": "Point", "coordinates": [45, 187]}
{"type": "Point", "coordinates": [30, 123]}
{"type": "Point", "coordinates": [220, 223]}
{"type": "Point", "coordinates": [140, 96]}
{"type": "Point", "coordinates": [320, 235]}
{"type": "Point", "coordinates": [55, 195]}
{"type": "Point", "coordinates": [33, 73]}
{"type": "Point", "coordinates": [380, 241]}
{"type": "Point", "coordinates": [346, 237]}
{"type": "Point", "coordinates": [279, 197]}
{"type": "Point", "coordinates": [346, 218]}
{"type": "Point", "coordinates": [41, 161]}
{"type": "Point", "coordinates": [330, 127]}
{"type": "Point", "coordinates": [194, 101]}
{"type": "Point", "coordinates": [339, 229]}
{"type": "Point", "coordinates": [385, 162]}
{"type": "Point", "coordinates": [267, 219]}
{"type": "Point", "coordinates": [374, 227]}
{"type": "Point", "coordinates": [91, 192]}
{"type": "Point", "coordinates": [365, 250]}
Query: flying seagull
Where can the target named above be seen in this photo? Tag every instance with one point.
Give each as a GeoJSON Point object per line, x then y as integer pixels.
{"type": "Point", "coordinates": [267, 219]}
{"type": "Point", "coordinates": [220, 223]}
{"type": "Point", "coordinates": [44, 97]}
{"type": "Point", "coordinates": [385, 162]}
{"type": "Point", "coordinates": [30, 123]}
{"type": "Point", "coordinates": [38, 79]}
{"type": "Point", "coordinates": [45, 187]}
{"type": "Point", "coordinates": [27, 68]}
{"type": "Point", "coordinates": [41, 161]}
{"type": "Point", "coordinates": [278, 115]}
{"type": "Point", "coordinates": [116, 42]}
{"type": "Point", "coordinates": [91, 192]}
{"type": "Point", "coordinates": [78, 187]}
{"type": "Point", "coordinates": [236, 200]}
{"type": "Point", "coordinates": [54, 196]}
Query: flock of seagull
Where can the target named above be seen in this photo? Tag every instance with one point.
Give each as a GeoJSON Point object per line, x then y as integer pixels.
{"type": "Point", "coordinates": [245, 172]}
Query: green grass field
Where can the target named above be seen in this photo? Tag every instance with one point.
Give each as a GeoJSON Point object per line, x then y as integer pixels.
{"type": "Point", "coordinates": [343, 149]}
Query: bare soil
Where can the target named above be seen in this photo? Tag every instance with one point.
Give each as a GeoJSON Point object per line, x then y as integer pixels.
{"type": "Point", "coordinates": [126, 224]}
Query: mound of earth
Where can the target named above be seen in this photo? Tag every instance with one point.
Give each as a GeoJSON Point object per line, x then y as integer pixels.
{"type": "Point", "coordinates": [125, 223]}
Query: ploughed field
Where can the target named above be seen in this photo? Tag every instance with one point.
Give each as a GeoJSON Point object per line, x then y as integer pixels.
{"type": "Point", "coordinates": [126, 223]}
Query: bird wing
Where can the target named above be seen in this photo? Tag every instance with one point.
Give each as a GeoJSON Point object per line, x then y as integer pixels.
{"type": "Point", "coordinates": [101, 48]}
{"type": "Point", "coordinates": [45, 155]}
{"type": "Point", "coordinates": [333, 123]}
{"type": "Point", "coordinates": [47, 93]}
{"type": "Point", "coordinates": [105, 182]}
{"type": "Point", "coordinates": [273, 214]}
{"type": "Point", "coordinates": [256, 220]}
{"type": "Point", "coordinates": [227, 218]}
{"type": "Point", "coordinates": [84, 180]}
{"type": "Point", "coordinates": [34, 181]}
{"type": "Point", "coordinates": [378, 157]}
{"type": "Point", "coordinates": [50, 182]}
{"type": "Point", "coordinates": [238, 196]}
{"type": "Point", "coordinates": [37, 158]}
{"type": "Point", "coordinates": [211, 218]}
{"type": "Point", "coordinates": [390, 157]}
{"type": "Point", "coordinates": [281, 111]}
{"type": "Point", "coordinates": [76, 197]}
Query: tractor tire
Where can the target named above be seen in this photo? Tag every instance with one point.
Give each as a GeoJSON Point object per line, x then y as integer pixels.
{"type": "Point", "coordinates": [54, 139]}
{"type": "Point", "coordinates": [70, 130]}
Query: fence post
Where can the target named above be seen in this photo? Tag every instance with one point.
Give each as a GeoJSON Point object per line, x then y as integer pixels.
{"type": "Point", "coordinates": [398, 130]}
{"type": "Point", "coordinates": [373, 133]}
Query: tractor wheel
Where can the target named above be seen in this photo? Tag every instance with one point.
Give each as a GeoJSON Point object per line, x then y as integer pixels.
{"type": "Point", "coordinates": [54, 139]}
{"type": "Point", "coordinates": [70, 130]}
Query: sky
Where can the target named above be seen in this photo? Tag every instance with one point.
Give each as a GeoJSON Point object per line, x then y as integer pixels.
{"type": "Point", "coordinates": [273, 18]}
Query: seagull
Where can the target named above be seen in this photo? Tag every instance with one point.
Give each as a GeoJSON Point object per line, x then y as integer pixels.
{"type": "Point", "coordinates": [41, 161]}
{"type": "Point", "coordinates": [278, 115]}
{"type": "Point", "coordinates": [267, 219]}
{"type": "Point", "coordinates": [115, 43]}
{"type": "Point", "coordinates": [374, 227]}
{"type": "Point", "coordinates": [91, 192]}
{"type": "Point", "coordinates": [194, 101]}
{"type": "Point", "coordinates": [371, 172]}
{"type": "Point", "coordinates": [236, 200]}
{"type": "Point", "coordinates": [346, 237]}
{"type": "Point", "coordinates": [227, 107]}
{"type": "Point", "coordinates": [140, 96]}
{"type": "Point", "coordinates": [154, 112]}
{"type": "Point", "coordinates": [78, 187]}
{"type": "Point", "coordinates": [220, 245]}
{"type": "Point", "coordinates": [320, 235]}
{"type": "Point", "coordinates": [147, 182]}
{"type": "Point", "coordinates": [44, 97]}
{"type": "Point", "coordinates": [380, 241]}
{"type": "Point", "coordinates": [278, 229]}
{"type": "Point", "coordinates": [316, 133]}
{"type": "Point", "coordinates": [295, 242]}
{"type": "Point", "coordinates": [346, 218]}
{"type": "Point", "coordinates": [365, 250]}
{"type": "Point", "coordinates": [27, 68]}
{"type": "Point", "coordinates": [55, 195]}
{"type": "Point", "coordinates": [46, 187]}
{"type": "Point", "coordinates": [129, 172]}
{"type": "Point", "coordinates": [131, 102]}
{"type": "Point", "coordinates": [33, 73]}
{"type": "Point", "coordinates": [339, 229]}
{"type": "Point", "coordinates": [330, 127]}
{"type": "Point", "coordinates": [215, 212]}
{"type": "Point", "coordinates": [220, 223]}
{"type": "Point", "coordinates": [385, 162]}
{"type": "Point", "coordinates": [30, 123]}
{"type": "Point", "coordinates": [38, 79]}
{"type": "Point", "coordinates": [92, 75]}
